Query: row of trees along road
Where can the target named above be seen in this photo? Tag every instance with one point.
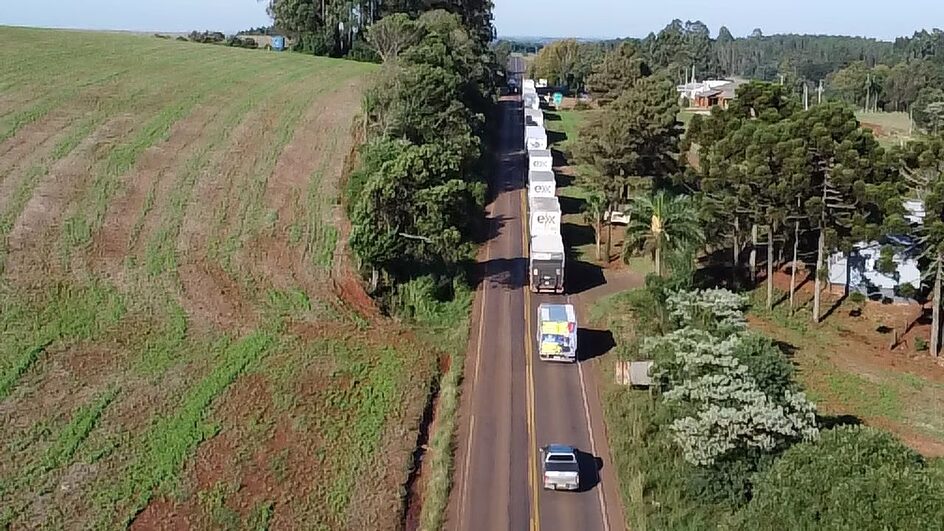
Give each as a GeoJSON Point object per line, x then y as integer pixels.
{"type": "Point", "coordinates": [630, 146]}
{"type": "Point", "coordinates": [906, 75]}
{"type": "Point", "coordinates": [339, 27]}
{"type": "Point", "coordinates": [416, 201]}
{"type": "Point", "coordinates": [764, 163]}
{"type": "Point", "coordinates": [764, 172]}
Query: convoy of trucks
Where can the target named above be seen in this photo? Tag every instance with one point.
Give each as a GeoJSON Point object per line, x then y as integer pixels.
{"type": "Point", "coordinates": [545, 216]}
{"type": "Point", "coordinates": [540, 160]}
{"type": "Point", "coordinates": [556, 332]}
{"type": "Point", "coordinates": [547, 258]}
{"type": "Point", "coordinates": [534, 117]}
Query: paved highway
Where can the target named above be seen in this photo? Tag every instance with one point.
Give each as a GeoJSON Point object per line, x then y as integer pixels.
{"type": "Point", "coordinates": [512, 402]}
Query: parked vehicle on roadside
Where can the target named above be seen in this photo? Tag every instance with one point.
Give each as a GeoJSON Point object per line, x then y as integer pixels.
{"type": "Point", "coordinates": [618, 216]}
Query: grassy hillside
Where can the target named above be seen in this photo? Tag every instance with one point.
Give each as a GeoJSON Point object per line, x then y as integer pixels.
{"type": "Point", "coordinates": [174, 350]}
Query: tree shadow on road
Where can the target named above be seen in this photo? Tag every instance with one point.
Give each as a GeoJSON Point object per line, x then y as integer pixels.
{"type": "Point", "coordinates": [492, 228]}
{"type": "Point", "coordinates": [570, 205]}
{"type": "Point", "coordinates": [508, 273]}
{"type": "Point", "coordinates": [555, 137]}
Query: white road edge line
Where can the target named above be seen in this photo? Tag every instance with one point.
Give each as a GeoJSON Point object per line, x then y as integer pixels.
{"type": "Point", "coordinates": [593, 447]}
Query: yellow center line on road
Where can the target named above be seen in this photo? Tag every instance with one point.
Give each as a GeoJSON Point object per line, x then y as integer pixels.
{"type": "Point", "coordinates": [475, 377]}
{"type": "Point", "coordinates": [529, 356]}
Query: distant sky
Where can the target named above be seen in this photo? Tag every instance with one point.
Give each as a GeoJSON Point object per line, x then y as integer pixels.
{"type": "Point", "coordinates": [636, 18]}
{"type": "Point", "coordinates": [136, 15]}
{"type": "Point", "coordinates": [546, 18]}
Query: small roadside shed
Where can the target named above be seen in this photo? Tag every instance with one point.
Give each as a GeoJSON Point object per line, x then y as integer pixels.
{"type": "Point", "coordinates": [634, 373]}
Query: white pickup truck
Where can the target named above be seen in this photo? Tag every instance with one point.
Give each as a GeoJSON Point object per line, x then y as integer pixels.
{"type": "Point", "coordinates": [560, 467]}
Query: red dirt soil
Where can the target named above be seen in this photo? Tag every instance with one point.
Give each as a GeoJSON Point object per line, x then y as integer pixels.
{"type": "Point", "coordinates": [856, 346]}
{"type": "Point", "coordinates": [35, 233]}
{"type": "Point", "coordinates": [154, 170]}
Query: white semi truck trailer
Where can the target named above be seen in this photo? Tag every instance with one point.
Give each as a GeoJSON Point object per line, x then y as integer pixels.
{"type": "Point", "coordinates": [544, 215]}
{"type": "Point", "coordinates": [540, 160]}
{"type": "Point", "coordinates": [534, 117]}
{"type": "Point", "coordinates": [542, 184]}
{"type": "Point", "coordinates": [535, 137]}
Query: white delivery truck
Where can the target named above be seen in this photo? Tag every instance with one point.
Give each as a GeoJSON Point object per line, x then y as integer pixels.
{"type": "Point", "coordinates": [546, 263]}
{"type": "Point", "coordinates": [544, 215]}
{"type": "Point", "coordinates": [540, 160]}
{"type": "Point", "coordinates": [557, 332]}
{"type": "Point", "coordinates": [531, 100]}
{"type": "Point", "coordinates": [534, 117]}
{"type": "Point", "coordinates": [535, 137]}
{"type": "Point", "coordinates": [541, 184]}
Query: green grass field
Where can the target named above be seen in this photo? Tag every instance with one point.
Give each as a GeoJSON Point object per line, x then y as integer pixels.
{"type": "Point", "coordinates": [172, 352]}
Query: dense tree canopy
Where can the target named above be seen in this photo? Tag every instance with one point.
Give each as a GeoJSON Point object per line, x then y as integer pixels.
{"type": "Point", "coordinates": [851, 478]}
{"type": "Point", "coordinates": [764, 162]}
{"type": "Point", "coordinates": [336, 27]}
{"type": "Point", "coordinates": [416, 200]}
{"type": "Point", "coordinates": [566, 62]}
{"type": "Point", "coordinates": [620, 68]}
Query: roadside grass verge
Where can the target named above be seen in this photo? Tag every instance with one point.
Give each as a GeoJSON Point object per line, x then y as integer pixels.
{"type": "Point", "coordinates": [449, 331]}
{"type": "Point", "coordinates": [567, 123]}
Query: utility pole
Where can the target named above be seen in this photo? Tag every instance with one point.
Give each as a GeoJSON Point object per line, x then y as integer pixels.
{"type": "Point", "coordinates": [806, 96]}
{"type": "Point", "coordinates": [753, 258]}
{"type": "Point", "coordinates": [819, 90]}
{"type": "Point", "coordinates": [796, 247]}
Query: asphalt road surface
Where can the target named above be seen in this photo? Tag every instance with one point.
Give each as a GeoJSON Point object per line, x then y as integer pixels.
{"type": "Point", "coordinates": [513, 403]}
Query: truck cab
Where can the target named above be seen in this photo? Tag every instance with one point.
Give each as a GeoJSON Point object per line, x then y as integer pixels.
{"type": "Point", "coordinates": [560, 468]}
{"type": "Point", "coordinates": [546, 262]}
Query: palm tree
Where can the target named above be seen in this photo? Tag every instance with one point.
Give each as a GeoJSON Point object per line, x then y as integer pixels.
{"type": "Point", "coordinates": [594, 209]}
{"type": "Point", "coordinates": [662, 223]}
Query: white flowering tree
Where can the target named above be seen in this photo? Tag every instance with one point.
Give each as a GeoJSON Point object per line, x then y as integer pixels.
{"type": "Point", "coordinates": [719, 406]}
{"type": "Point", "coordinates": [718, 311]}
